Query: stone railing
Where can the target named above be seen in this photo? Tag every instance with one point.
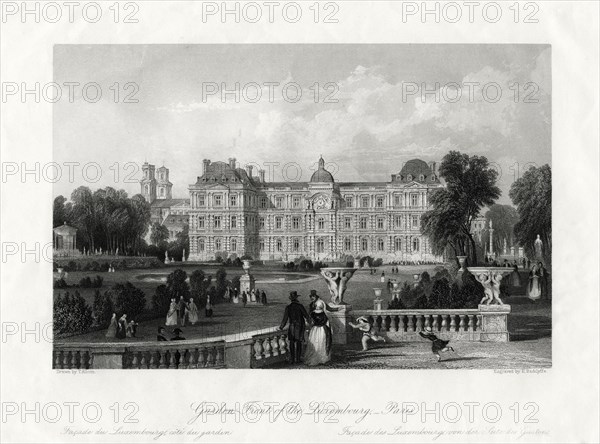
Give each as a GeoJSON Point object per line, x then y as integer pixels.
{"type": "Point", "coordinates": [141, 355]}
{"type": "Point", "coordinates": [486, 323]}
{"type": "Point", "coordinates": [255, 349]}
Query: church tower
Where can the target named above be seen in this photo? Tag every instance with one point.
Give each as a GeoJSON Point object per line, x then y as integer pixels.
{"type": "Point", "coordinates": [148, 182]}
{"type": "Point", "coordinates": [163, 186]}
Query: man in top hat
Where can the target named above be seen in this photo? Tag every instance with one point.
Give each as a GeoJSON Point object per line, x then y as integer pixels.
{"type": "Point", "coordinates": [295, 314]}
{"type": "Point", "coordinates": [177, 332]}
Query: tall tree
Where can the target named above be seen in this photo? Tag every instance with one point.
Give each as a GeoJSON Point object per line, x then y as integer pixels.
{"type": "Point", "coordinates": [470, 185]}
{"type": "Point", "coordinates": [504, 219]}
{"type": "Point", "coordinates": [158, 234]}
{"type": "Point", "coordinates": [532, 194]}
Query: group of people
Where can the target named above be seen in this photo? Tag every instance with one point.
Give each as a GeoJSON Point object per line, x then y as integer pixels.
{"type": "Point", "coordinates": [254, 296]}
{"type": "Point", "coordinates": [182, 312]}
{"type": "Point", "coordinates": [121, 328]}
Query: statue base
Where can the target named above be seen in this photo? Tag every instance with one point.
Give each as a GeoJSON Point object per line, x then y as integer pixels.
{"type": "Point", "coordinates": [246, 283]}
{"type": "Point", "coordinates": [339, 323]}
{"type": "Point", "coordinates": [494, 322]}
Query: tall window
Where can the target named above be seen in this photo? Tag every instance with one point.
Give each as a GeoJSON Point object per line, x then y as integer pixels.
{"type": "Point", "coordinates": [296, 245]}
{"type": "Point", "coordinates": [415, 244]}
{"type": "Point", "coordinates": [380, 200]}
{"type": "Point", "coordinates": [415, 221]}
{"type": "Point", "coordinates": [218, 200]}
{"type": "Point", "coordinates": [321, 223]}
{"type": "Point", "coordinates": [200, 221]}
{"type": "Point", "coordinates": [364, 244]}
{"type": "Point", "coordinates": [201, 202]}
{"type": "Point", "coordinates": [278, 222]}
{"type": "Point", "coordinates": [261, 223]}
{"type": "Point", "coordinates": [414, 200]}
{"type": "Point", "coordinates": [279, 245]}
{"type": "Point", "coordinates": [233, 222]}
{"type": "Point", "coordinates": [279, 202]}
{"type": "Point", "coordinates": [365, 202]}
{"type": "Point", "coordinates": [295, 223]}
{"type": "Point", "coordinates": [217, 244]}
{"type": "Point", "coordinates": [296, 202]}
{"type": "Point", "coordinates": [261, 245]}
{"type": "Point", "coordinates": [347, 223]}
{"type": "Point", "coordinates": [201, 245]}
{"type": "Point", "coordinates": [398, 244]}
{"type": "Point", "coordinates": [380, 244]}
{"type": "Point", "coordinates": [233, 200]}
{"type": "Point", "coordinates": [397, 221]}
{"type": "Point", "coordinates": [320, 245]}
{"type": "Point", "coordinates": [349, 201]}
{"type": "Point", "coordinates": [233, 244]}
{"type": "Point", "coordinates": [397, 200]}
{"type": "Point", "coordinates": [263, 202]}
{"type": "Point", "coordinates": [363, 223]}
{"type": "Point", "coordinates": [380, 223]}
{"type": "Point", "coordinates": [217, 221]}
{"type": "Point", "coordinates": [348, 243]}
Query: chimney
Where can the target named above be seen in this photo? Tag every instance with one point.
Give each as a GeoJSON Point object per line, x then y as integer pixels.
{"type": "Point", "coordinates": [232, 163]}
{"type": "Point", "coordinates": [205, 164]}
{"type": "Point", "coordinates": [432, 167]}
{"type": "Point", "coordinates": [261, 174]}
{"type": "Point", "coordinates": [249, 171]}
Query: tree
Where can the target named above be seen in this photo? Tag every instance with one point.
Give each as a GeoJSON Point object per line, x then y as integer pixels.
{"type": "Point", "coordinates": [470, 185]}
{"type": "Point", "coordinates": [177, 285]}
{"type": "Point", "coordinates": [103, 308]}
{"type": "Point", "coordinates": [199, 286]}
{"type": "Point", "coordinates": [532, 194]}
{"type": "Point", "coordinates": [71, 314]}
{"type": "Point", "coordinates": [504, 218]}
{"type": "Point", "coordinates": [129, 299]}
{"type": "Point", "coordinates": [158, 234]}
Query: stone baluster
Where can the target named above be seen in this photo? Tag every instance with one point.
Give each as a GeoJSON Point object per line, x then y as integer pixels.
{"type": "Point", "coordinates": [172, 358]}
{"type": "Point", "coordinates": [267, 347]}
{"type": "Point", "coordinates": [436, 323]}
{"type": "Point", "coordinates": [419, 322]}
{"type": "Point", "coordinates": [144, 361]}
{"type": "Point", "coordinates": [452, 323]}
{"type": "Point", "coordinates": [201, 358]}
{"type": "Point", "coordinates": [283, 345]}
{"type": "Point", "coordinates": [395, 323]}
{"type": "Point", "coordinates": [134, 361]}
{"type": "Point", "coordinates": [211, 356]}
{"type": "Point", "coordinates": [470, 326]}
{"type": "Point", "coordinates": [220, 355]}
{"type": "Point", "coordinates": [57, 359]}
{"type": "Point", "coordinates": [163, 359]}
{"type": "Point", "coordinates": [258, 349]}
{"type": "Point", "coordinates": [275, 346]}
{"type": "Point", "coordinates": [462, 323]}
{"type": "Point", "coordinates": [193, 358]}
{"type": "Point", "coordinates": [183, 359]}
{"type": "Point", "coordinates": [444, 323]}
{"type": "Point", "coordinates": [66, 359]}
{"type": "Point", "coordinates": [427, 321]}
{"type": "Point", "coordinates": [411, 324]}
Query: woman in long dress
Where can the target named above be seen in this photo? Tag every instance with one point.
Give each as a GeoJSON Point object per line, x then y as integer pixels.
{"type": "Point", "coordinates": [236, 298]}
{"type": "Point", "coordinates": [533, 288]}
{"type": "Point", "coordinates": [208, 311]}
{"type": "Point", "coordinates": [112, 327]}
{"type": "Point", "coordinates": [192, 312]}
{"type": "Point", "coordinates": [515, 279]}
{"type": "Point", "coordinates": [172, 313]}
{"type": "Point", "coordinates": [318, 348]}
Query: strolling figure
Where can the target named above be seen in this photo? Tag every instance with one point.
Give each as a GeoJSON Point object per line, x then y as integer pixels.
{"type": "Point", "coordinates": [295, 314]}
{"type": "Point", "coordinates": [369, 333]}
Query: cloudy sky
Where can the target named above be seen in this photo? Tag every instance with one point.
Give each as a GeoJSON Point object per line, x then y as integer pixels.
{"type": "Point", "coordinates": [371, 115]}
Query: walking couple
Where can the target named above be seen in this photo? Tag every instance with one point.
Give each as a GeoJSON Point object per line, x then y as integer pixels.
{"type": "Point", "coordinates": [320, 338]}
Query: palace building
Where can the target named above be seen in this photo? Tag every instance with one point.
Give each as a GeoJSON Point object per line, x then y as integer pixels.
{"type": "Point", "coordinates": [232, 211]}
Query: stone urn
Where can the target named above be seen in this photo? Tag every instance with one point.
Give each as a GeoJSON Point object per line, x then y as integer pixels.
{"type": "Point", "coordinates": [377, 302]}
{"type": "Point", "coordinates": [246, 266]}
{"type": "Point", "coordinates": [461, 262]}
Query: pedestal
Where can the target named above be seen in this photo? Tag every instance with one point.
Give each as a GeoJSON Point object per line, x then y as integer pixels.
{"type": "Point", "coordinates": [494, 323]}
{"type": "Point", "coordinates": [246, 283]}
{"type": "Point", "coordinates": [339, 323]}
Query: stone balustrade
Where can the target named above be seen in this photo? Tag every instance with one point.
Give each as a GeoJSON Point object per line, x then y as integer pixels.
{"type": "Point", "coordinates": [269, 348]}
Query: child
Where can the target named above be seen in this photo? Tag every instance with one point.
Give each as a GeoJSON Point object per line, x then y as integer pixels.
{"type": "Point", "coordinates": [369, 332]}
{"type": "Point", "coordinates": [437, 345]}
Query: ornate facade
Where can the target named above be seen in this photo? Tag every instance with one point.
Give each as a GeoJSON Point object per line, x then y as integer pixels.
{"type": "Point", "coordinates": [231, 211]}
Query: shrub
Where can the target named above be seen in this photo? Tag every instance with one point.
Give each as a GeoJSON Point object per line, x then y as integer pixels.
{"type": "Point", "coordinates": [129, 299]}
{"type": "Point", "coordinates": [60, 283]}
{"type": "Point", "coordinates": [161, 300]}
{"type": "Point", "coordinates": [306, 265]}
{"type": "Point", "coordinates": [396, 304]}
{"type": "Point", "coordinates": [246, 257]}
{"type": "Point", "coordinates": [103, 308]}
{"type": "Point", "coordinates": [378, 262]}
{"type": "Point", "coordinates": [85, 282]}
{"type": "Point", "coordinates": [177, 285]}
{"type": "Point", "coordinates": [440, 294]}
{"type": "Point", "coordinates": [97, 282]}
{"type": "Point", "coordinates": [71, 314]}
{"type": "Point", "coordinates": [318, 265]}
{"type": "Point", "coordinates": [221, 284]}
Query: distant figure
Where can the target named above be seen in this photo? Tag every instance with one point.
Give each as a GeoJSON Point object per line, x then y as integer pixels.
{"type": "Point", "coordinates": [131, 329]}
{"type": "Point", "coordinates": [369, 333]}
{"type": "Point", "coordinates": [172, 313]}
{"type": "Point", "coordinates": [111, 332]}
{"type": "Point", "coordinates": [244, 298]}
{"type": "Point", "coordinates": [295, 314]}
{"type": "Point", "coordinates": [236, 298]}
{"type": "Point", "coordinates": [515, 278]}
{"type": "Point", "coordinates": [122, 327]}
{"type": "Point", "coordinates": [543, 280]}
{"type": "Point", "coordinates": [177, 332]}
{"type": "Point", "coordinates": [437, 345]}
{"type": "Point", "coordinates": [208, 311]}
{"type": "Point", "coordinates": [534, 291]}
{"type": "Point", "coordinates": [181, 307]}
{"type": "Point", "coordinates": [192, 312]}
{"type": "Point", "coordinates": [263, 298]}
{"type": "Point", "coordinates": [506, 264]}
{"type": "Point", "coordinates": [382, 277]}
{"type": "Point", "coordinates": [161, 335]}
{"type": "Point", "coordinates": [253, 295]}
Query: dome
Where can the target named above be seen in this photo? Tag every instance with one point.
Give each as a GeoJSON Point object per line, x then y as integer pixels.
{"type": "Point", "coordinates": [321, 175]}
{"type": "Point", "coordinates": [417, 170]}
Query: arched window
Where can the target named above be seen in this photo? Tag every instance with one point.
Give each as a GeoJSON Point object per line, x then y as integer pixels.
{"type": "Point", "coordinates": [421, 177]}
{"type": "Point", "coordinates": [296, 244]}
{"type": "Point", "coordinates": [201, 245]}
{"type": "Point", "coordinates": [380, 244]}
{"type": "Point", "coordinates": [321, 223]}
{"type": "Point", "coordinates": [320, 246]}
{"type": "Point", "coordinates": [415, 244]}
{"type": "Point", "coordinates": [217, 244]}
{"type": "Point", "coordinates": [398, 244]}
{"type": "Point", "coordinates": [348, 243]}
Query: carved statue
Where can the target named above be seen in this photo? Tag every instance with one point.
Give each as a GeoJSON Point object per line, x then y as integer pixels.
{"type": "Point", "coordinates": [537, 245]}
{"type": "Point", "coordinates": [491, 287]}
{"type": "Point", "coordinates": [337, 281]}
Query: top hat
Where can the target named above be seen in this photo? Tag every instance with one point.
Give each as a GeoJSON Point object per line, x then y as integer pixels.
{"type": "Point", "coordinates": [177, 330]}
{"type": "Point", "coordinates": [294, 295]}
{"type": "Point", "coordinates": [313, 293]}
